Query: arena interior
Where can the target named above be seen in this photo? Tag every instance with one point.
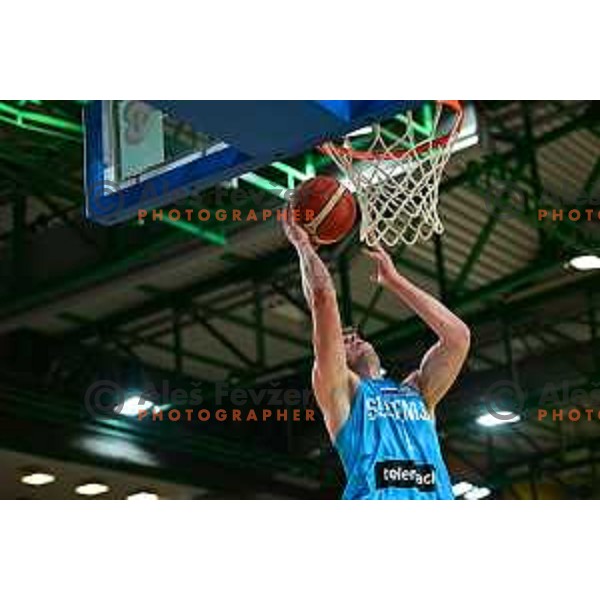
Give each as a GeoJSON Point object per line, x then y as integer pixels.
{"type": "Point", "coordinates": [210, 315]}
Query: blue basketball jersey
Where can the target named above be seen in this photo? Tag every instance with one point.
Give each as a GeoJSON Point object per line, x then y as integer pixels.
{"type": "Point", "coordinates": [389, 446]}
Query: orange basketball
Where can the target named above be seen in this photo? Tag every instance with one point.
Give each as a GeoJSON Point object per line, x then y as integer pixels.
{"type": "Point", "coordinates": [327, 209]}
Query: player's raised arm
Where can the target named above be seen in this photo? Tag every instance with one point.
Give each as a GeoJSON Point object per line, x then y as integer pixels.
{"type": "Point", "coordinates": [331, 376]}
{"type": "Point", "coordinates": [442, 362]}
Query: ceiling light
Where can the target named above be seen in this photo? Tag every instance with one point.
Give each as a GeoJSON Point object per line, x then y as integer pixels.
{"type": "Point", "coordinates": [368, 130]}
{"type": "Point", "coordinates": [143, 496]}
{"type": "Point", "coordinates": [91, 489]}
{"type": "Point", "coordinates": [461, 488]}
{"type": "Point", "coordinates": [38, 478]}
{"type": "Point", "coordinates": [491, 420]}
{"type": "Point", "coordinates": [477, 493]}
{"type": "Point", "coordinates": [586, 262]}
{"type": "Point", "coordinates": [116, 449]}
{"type": "Point", "coordinates": [133, 405]}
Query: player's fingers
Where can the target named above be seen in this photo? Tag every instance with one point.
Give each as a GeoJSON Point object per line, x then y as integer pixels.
{"type": "Point", "coordinates": [372, 254]}
{"type": "Point", "coordinates": [380, 251]}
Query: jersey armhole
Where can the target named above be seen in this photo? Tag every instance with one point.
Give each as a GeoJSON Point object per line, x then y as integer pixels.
{"type": "Point", "coordinates": [411, 381]}
{"type": "Point", "coordinates": [355, 385]}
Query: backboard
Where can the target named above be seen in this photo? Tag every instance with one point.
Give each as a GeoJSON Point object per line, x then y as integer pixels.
{"type": "Point", "coordinates": [151, 153]}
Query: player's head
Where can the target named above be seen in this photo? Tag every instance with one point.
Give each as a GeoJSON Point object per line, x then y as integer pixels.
{"type": "Point", "coordinates": [360, 355]}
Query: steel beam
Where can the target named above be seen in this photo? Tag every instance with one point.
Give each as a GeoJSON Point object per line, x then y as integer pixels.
{"type": "Point", "coordinates": [224, 340]}
{"type": "Point", "coordinates": [261, 348]}
{"type": "Point", "coordinates": [19, 272]}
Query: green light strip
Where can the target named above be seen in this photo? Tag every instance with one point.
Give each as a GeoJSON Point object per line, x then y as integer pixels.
{"type": "Point", "coordinates": [427, 112]}
{"type": "Point", "coordinates": [309, 166]}
{"type": "Point", "coordinates": [42, 123]}
{"type": "Point", "coordinates": [426, 128]}
{"type": "Point", "coordinates": [291, 171]}
{"type": "Point", "coordinates": [49, 132]}
{"type": "Point", "coordinates": [264, 184]}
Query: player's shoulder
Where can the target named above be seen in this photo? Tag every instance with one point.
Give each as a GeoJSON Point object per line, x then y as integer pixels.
{"type": "Point", "coordinates": [346, 386]}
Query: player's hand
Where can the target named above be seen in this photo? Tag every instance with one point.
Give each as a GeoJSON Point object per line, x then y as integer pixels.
{"type": "Point", "coordinates": [296, 234]}
{"type": "Point", "coordinates": [385, 268]}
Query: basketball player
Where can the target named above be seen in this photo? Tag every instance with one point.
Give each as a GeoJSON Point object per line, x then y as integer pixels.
{"type": "Point", "coordinates": [384, 431]}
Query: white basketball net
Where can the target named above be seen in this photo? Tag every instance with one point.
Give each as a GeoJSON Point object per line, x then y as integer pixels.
{"type": "Point", "coordinates": [396, 176]}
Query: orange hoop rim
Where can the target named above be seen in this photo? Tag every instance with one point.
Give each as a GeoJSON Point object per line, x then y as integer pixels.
{"type": "Point", "coordinates": [332, 149]}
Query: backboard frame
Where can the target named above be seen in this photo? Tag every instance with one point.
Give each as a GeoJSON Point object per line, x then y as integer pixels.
{"type": "Point", "coordinates": [254, 133]}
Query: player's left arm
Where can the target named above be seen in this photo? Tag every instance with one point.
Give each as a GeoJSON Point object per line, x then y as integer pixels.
{"type": "Point", "coordinates": [443, 361]}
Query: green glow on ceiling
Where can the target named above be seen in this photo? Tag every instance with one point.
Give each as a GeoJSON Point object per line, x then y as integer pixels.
{"type": "Point", "coordinates": [309, 166]}
{"type": "Point", "coordinates": [427, 112]}
{"type": "Point", "coordinates": [39, 122]}
{"type": "Point", "coordinates": [264, 184]}
{"type": "Point", "coordinates": [292, 173]}
{"type": "Point", "coordinates": [424, 113]}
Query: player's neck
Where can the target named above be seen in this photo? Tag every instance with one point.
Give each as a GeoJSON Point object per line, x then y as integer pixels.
{"type": "Point", "coordinates": [369, 369]}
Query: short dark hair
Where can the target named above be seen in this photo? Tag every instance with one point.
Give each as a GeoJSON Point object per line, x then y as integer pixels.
{"type": "Point", "coordinates": [351, 329]}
